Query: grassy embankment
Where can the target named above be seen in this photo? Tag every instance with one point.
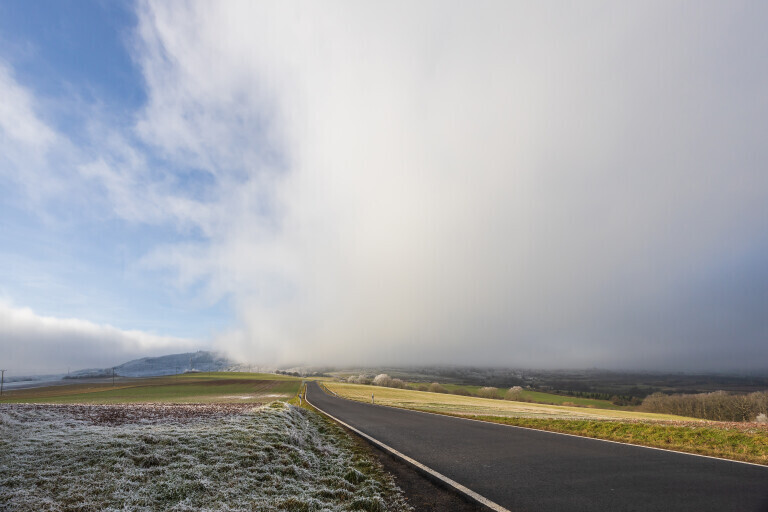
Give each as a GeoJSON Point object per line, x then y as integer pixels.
{"type": "Point", "coordinates": [747, 442]}
{"type": "Point", "coordinates": [214, 387]}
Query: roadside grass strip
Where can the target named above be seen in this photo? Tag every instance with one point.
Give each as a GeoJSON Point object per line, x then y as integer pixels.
{"type": "Point", "coordinates": [743, 442]}
{"type": "Point", "coordinates": [223, 457]}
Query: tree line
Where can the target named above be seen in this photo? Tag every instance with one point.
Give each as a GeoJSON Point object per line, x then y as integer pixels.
{"type": "Point", "coordinates": [717, 405]}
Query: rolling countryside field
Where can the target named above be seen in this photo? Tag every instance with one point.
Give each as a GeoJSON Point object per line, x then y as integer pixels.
{"type": "Point", "coordinates": [214, 387]}
{"type": "Point", "coordinates": [527, 395]}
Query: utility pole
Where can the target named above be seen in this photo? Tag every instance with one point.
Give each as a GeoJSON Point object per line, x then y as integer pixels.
{"type": "Point", "coordinates": [113, 376]}
{"type": "Point", "coordinates": [2, 381]}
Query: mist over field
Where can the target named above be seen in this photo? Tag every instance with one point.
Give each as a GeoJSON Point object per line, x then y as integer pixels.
{"type": "Point", "coordinates": [504, 184]}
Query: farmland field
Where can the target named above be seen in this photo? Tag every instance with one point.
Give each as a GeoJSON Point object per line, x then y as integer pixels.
{"type": "Point", "coordinates": [527, 395]}
{"type": "Point", "coordinates": [215, 387]}
{"type": "Point", "coordinates": [471, 406]}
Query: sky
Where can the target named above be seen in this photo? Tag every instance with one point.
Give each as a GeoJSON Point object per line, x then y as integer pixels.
{"type": "Point", "coordinates": [521, 184]}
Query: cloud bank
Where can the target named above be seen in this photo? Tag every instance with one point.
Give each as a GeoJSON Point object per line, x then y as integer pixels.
{"type": "Point", "coordinates": [36, 344]}
{"type": "Point", "coordinates": [502, 184]}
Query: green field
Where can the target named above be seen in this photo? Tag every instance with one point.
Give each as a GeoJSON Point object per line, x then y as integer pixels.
{"type": "Point", "coordinates": [540, 397]}
{"type": "Point", "coordinates": [214, 387]}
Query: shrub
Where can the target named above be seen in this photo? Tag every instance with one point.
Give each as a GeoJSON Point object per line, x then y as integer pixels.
{"type": "Point", "coordinates": [488, 392]}
{"type": "Point", "coordinates": [514, 393]}
{"type": "Point", "coordinates": [382, 379]}
{"type": "Point", "coordinates": [625, 400]}
{"type": "Point", "coordinates": [397, 383]}
{"type": "Point", "coordinates": [437, 388]}
{"type": "Point", "coordinates": [461, 392]}
{"type": "Point", "coordinates": [386, 381]}
{"type": "Point", "coordinates": [360, 379]}
{"type": "Point", "coordinates": [422, 387]}
{"type": "Point", "coordinates": [761, 418]}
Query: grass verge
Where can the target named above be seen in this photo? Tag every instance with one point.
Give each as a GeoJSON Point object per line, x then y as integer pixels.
{"type": "Point", "coordinates": [745, 443]}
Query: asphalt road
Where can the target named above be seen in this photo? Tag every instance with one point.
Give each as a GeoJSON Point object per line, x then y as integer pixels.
{"type": "Point", "coordinates": [530, 470]}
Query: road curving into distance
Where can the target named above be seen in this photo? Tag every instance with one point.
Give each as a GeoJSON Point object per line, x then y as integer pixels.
{"type": "Point", "coordinates": [531, 470]}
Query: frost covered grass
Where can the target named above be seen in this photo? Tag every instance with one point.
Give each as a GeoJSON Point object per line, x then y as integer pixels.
{"type": "Point", "coordinates": [224, 457]}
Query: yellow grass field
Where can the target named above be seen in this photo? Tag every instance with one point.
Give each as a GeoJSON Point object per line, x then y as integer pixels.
{"type": "Point", "coordinates": [473, 406]}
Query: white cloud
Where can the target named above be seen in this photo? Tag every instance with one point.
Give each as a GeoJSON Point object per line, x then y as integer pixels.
{"type": "Point", "coordinates": [18, 121]}
{"type": "Point", "coordinates": [26, 140]}
{"type": "Point", "coordinates": [38, 344]}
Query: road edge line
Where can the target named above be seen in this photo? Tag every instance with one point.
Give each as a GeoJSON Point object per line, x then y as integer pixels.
{"type": "Point", "coordinates": [563, 434]}
{"type": "Point", "coordinates": [462, 490]}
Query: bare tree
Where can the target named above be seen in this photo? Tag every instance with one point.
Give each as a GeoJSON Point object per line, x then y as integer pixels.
{"type": "Point", "coordinates": [717, 405]}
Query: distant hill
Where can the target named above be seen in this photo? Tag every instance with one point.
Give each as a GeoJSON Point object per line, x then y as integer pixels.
{"type": "Point", "coordinates": [201, 361]}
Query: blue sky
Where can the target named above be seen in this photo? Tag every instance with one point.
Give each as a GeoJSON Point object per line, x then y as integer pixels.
{"type": "Point", "coordinates": [384, 183]}
{"type": "Point", "coordinates": [76, 259]}
{"type": "Point", "coordinates": [82, 46]}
